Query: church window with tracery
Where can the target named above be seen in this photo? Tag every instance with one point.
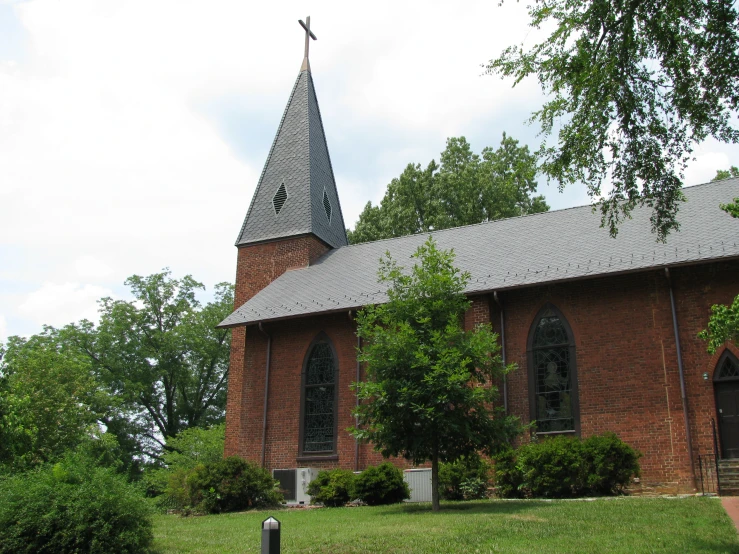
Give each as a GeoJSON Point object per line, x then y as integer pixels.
{"type": "Point", "coordinates": [727, 368]}
{"type": "Point", "coordinates": [552, 375]}
{"type": "Point", "coordinates": [318, 430]}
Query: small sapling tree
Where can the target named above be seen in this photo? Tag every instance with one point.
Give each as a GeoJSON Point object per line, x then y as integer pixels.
{"type": "Point", "coordinates": [723, 324]}
{"type": "Point", "coordinates": [430, 391]}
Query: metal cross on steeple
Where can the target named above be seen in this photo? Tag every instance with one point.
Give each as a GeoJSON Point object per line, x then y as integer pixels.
{"type": "Point", "coordinates": [308, 35]}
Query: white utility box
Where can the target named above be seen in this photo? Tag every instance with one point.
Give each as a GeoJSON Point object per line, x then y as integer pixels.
{"type": "Point", "coordinates": [419, 481]}
{"type": "Point", "coordinates": [294, 483]}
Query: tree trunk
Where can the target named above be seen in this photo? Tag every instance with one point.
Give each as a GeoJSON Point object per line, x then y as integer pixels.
{"type": "Point", "coordinates": [435, 482]}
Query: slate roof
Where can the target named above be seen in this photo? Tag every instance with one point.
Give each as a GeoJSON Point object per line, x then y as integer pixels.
{"type": "Point", "coordinates": [299, 159]}
{"type": "Point", "coordinates": [510, 253]}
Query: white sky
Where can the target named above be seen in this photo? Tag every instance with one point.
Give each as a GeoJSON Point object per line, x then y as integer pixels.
{"type": "Point", "coordinates": [132, 134]}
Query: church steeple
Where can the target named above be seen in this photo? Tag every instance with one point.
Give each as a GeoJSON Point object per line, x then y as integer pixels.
{"type": "Point", "coordinates": [296, 194]}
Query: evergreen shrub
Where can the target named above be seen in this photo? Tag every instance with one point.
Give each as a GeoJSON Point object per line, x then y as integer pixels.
{"type": "Point", "coordinates": [332, 488]}
{"type": "Point", "coordinates": [508, 477]}
{"type": "Point", "coordinates": [564, 467]}
{"type": "Point", "coordinates": [552, 468]}
{"type": "Point", "coordinates": [73, 506]}
{"type": "Point", "coordinates": [231, 485]}
{"type": "Point", "coordinates": [464, 479]}
{"type": "Point", "coordinates": [610, 464]}
{"type": "Point", "coordinates": [381, 484]}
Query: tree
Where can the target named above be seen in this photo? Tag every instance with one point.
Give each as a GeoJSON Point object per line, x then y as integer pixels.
{"type": "Point", "coordinates": [733, 208]}
{"type": "Point", "coordinates": [464, 189]}
{"type": "Point", "coordinates": [722, 174]}
{"type": "Point", "coordinates": [161, 354]}
{"type": "Point", "coordinates": [50, 401]}
{"type": "Point", "coordinates": [632, 86]}
{"type": "Point", "coordinates": [723, 326]}
{"type": "Point", "coordinates": [191, 447]}
{"type": "Point", "coordinates": [430, 388]}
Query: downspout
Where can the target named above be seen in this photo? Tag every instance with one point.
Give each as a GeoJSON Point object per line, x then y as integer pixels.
{"type": "Point", "coordinates": [356, 417]}
{"type": "Point", "coordinates": [688, 438]}
{"type": "Point", "coordinates": [502, 350]}
{"type": "Point", "coordinates": [266, 394]}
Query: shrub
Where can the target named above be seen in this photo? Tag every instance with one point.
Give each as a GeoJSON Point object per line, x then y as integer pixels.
{"type": "Point", "coordinates": [552, 468]}
{"type": "Point", "coordinates": [464, 479]}
{"type": "Point", "coordinates": [176, 495]}
{"type": "Point", "coordinates": [507, 476]}
{"type": "Point", "coordinates": [230, 485]}
{"type": "Point", "coordinates": [561, 467]}
{"type": "Point", "coordinates": [332, 488]}
{"type": "Point", "coordinates": [383, 484]}
{"type": "Point", "coordinates": [73, 506]}
{"type": "Point", "coordinates": [610, 463]}
{"type": "Point", "coordinates": [184, 451]}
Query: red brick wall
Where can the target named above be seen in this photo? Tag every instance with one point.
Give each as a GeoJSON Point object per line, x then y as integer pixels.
{"type": "Point", "coordinates": [256, 267]}
{"type": "Point", "coordinates": [260, 264]}
{"type": "Point", "coordinates": [290, 342]}
{"type": "Point", "coordinates": [626, 359]}
{"type": "Point", "coordinates": [696, 290]}
{"type": "Point", "coordinates": [625, 354]}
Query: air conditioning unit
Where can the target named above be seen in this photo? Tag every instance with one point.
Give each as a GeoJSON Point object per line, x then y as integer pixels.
{"type": "Point", "coordinates": [419, 482]}
{"type": "Point", "coordinates": [294, 483]}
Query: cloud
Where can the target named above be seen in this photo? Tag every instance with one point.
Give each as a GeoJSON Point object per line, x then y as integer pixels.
{"type": "Point", "coordinates": [58, 304]}
{"type": "Point", "coordinates": [3, 328]}
{"type": "Point", "coordinates": [134, 133]}
{"type": "Point", "coordinates": [91, 267]}
{"type": "Point", "coordinates": [705, 166]}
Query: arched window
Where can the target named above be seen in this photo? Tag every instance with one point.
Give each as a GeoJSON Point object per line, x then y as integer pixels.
{"type": "Point", "coordinates": [319, 399]}
{"type": "Point", "coordinates": [553, 397]}
{"type": "Point", "coordinates": [727, 368]}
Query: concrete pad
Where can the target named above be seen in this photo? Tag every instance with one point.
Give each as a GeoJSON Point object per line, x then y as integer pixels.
{"type": "Point", "coordinates": [731, 505]}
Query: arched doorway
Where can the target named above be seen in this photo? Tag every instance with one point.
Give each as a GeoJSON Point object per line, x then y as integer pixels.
{"type": "Point", "coordinates": [726, 387]}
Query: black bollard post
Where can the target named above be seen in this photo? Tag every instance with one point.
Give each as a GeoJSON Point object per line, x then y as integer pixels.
{"type": "Point", "coordinates": [270, 536]}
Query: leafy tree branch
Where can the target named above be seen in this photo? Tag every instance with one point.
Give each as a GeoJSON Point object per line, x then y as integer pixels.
{"type": "Point", "coordinates": [632, 86]}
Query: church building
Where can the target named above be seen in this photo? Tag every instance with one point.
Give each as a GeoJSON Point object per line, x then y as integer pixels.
{"type": "Point", "coordinates": [603, 330]}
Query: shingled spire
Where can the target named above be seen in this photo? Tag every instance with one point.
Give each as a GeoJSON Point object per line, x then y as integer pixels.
{"type": "Point", "coordinates": [296, 194]}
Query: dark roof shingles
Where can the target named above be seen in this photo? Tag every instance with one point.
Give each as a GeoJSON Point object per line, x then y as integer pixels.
{"type": "Point", "coordinates": [299, 159]}
{"type": "Point", "coordinates": [552, 246]}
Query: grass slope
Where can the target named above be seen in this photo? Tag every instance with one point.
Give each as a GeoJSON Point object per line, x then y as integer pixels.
{"type": "Point", "coordinates": [603, 525]}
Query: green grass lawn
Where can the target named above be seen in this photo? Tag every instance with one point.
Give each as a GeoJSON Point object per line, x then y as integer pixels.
{"type": "Point", "coordinates": [603, 525]}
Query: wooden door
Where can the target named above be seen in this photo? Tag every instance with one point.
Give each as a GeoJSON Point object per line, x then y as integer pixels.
{"type": "Point", "coordinates": [727, 406]}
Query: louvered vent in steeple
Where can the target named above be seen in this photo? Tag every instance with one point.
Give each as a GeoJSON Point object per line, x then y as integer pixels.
{"type": "Point", "coordinates": [327, 205]}
{"type": "Point", "coordinates": [278, 200]}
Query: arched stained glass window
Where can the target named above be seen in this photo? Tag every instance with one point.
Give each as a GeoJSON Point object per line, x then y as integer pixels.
{"type": "Point", "coordinates": [318, 425]}
{"type": "Point", "coordinates": [552, 374]}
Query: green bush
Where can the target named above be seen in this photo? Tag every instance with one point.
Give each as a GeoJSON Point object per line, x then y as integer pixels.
{"type": "Point", "coordinates": [610, 463]}
{"type": "Point", "coordinates": [562, 467]}
{"type": "Point", "coordinates": [73, 506]}
{"type": "Point", "coordinates": [230, 485]}
{"type": "Point", "coordinates": [383, 484]}
{"type": "Point", "coordinates": [332, 488]}
{"type": "Point", "coordinates": [552, 468]}
{"type": "Point", "coordinates": [508, 477]}
{"type": "Point", "coordinates": [183, 453]}
{"type": "Point", "coordinates": [464, 479]}
{"type": "Point", "coordinates": [176, 495]}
